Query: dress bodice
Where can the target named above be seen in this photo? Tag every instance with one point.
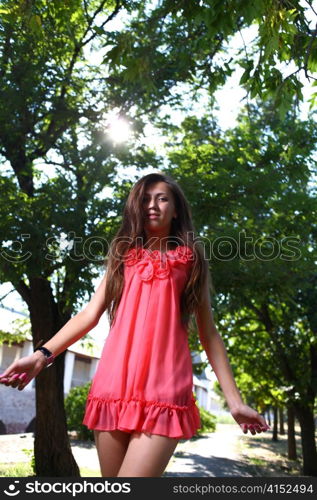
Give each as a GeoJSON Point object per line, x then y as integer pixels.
{"type": "Point", "coordinates": [150, 264]}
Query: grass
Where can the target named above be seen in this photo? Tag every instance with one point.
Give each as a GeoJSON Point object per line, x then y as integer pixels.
{"type": "Point", "coordinates": [269, 457]}
{"type": "Point", "coordinates": [258, 461]}
{"type": "Point", "coordinates": [23, 469]}
{"type": "Point", "coordinates": [84, 472]}
{"type": "Point", "coordinates": [20, 469]}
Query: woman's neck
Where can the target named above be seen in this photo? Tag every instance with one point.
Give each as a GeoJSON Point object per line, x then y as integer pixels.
{"type": "Point", "coordinates": [155, 243]}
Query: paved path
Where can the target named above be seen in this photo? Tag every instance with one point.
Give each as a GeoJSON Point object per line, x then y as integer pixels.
{"type": "Point", "coordinates": [212, 455]}
{"type": "Point", "coordinates": [215, 454]}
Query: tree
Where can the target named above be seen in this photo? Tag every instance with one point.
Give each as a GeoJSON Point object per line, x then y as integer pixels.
{"type": "Point", "coordinates": [44, 95]}
{"type": "Point", "coordinates": [254, 200]}
{"type": "Point", "coordinates": [191, 42]}
{"type": "Point", "coordinates": [55, 159]}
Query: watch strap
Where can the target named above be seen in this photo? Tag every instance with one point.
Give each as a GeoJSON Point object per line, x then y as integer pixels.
{"type": "Point", "coordinates": [48, 355]}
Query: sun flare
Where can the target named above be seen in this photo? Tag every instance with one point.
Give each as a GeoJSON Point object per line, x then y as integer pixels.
{"type": "Point", "coordinates": [119, 130]}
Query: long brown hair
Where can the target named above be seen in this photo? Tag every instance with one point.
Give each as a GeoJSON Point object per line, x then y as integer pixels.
{"type": "Point", "coordinates": [132, 232]}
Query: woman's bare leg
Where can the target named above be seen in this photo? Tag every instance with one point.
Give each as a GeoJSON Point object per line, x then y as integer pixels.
{"type": "Point", "coordinates": [111, 447]}
{"type": "Point", "coordinates": [147, 455]}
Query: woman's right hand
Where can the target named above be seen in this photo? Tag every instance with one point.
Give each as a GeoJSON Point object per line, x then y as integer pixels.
{"type": "Point", "coordinates": [21, 372]}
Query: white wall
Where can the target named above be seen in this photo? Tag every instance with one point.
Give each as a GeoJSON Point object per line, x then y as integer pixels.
{"type": "Point", "coordinates": [17, 408]}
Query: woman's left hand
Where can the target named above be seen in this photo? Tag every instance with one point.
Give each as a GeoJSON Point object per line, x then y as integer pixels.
{"type": "Point", "coordinates": [249, 419]}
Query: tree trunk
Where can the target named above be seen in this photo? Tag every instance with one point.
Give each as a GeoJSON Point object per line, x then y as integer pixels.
{"type": "Point", "coordinates": [291, 441]}
{"type": "Point", "coordinates": [281, 417]}
{"type": "Point", "coordinates": [305, 417]}
{"type": "Point", "coordinates": [275, 424]}
{"type": "Point", "coordinates": [53, 456]}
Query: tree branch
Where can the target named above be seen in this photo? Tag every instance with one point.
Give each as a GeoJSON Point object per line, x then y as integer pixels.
{"type": "Point", "coordinates": [60, 99]}
{"type": "Point", "coordinates": [109, 18]}
{"type": "Point", "coordinates": [312, 8]}
{"type": "Point", "coordinates": [308, 51]}
{"type": "Point", "coordinates": [64, 165]}
{"type": "Point", "coordinates": [86, 11]}
{"type": "Point", "coordinates": [4, 296]}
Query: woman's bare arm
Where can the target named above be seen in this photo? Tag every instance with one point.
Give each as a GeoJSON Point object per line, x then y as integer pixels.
{"type": "Point", "coordinates": [79, 325]}
{"type": "Point", "coordinates": [22, 371]}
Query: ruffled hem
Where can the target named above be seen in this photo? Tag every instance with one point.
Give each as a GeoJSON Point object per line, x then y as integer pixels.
{"type": "Point", "coordinates": [179, 422]}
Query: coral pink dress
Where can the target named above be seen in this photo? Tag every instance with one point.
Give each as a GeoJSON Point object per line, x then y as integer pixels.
{"type": "Point", "coordinates": [144, 378]}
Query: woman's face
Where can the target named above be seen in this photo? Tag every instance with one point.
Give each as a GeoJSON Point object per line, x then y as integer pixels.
{"type": "Point", "coordinates": [158, 209]}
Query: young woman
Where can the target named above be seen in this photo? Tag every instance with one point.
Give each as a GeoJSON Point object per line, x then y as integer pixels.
{"type": "Point", "coordinates": [141, 401]}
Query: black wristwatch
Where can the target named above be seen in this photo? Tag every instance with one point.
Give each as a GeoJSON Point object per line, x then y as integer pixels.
{"type": "Point", "coordinates": [48, 355]}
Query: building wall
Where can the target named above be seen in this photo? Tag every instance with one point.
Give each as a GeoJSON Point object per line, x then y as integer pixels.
{"type": "Point", "coordinates": [17, 408]}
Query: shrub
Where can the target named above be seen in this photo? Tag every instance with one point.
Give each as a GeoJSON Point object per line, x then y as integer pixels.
{"type": "Point", "coordinates": [208, 421]}
{"type": "Point", "coordinates": [75, 403]}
